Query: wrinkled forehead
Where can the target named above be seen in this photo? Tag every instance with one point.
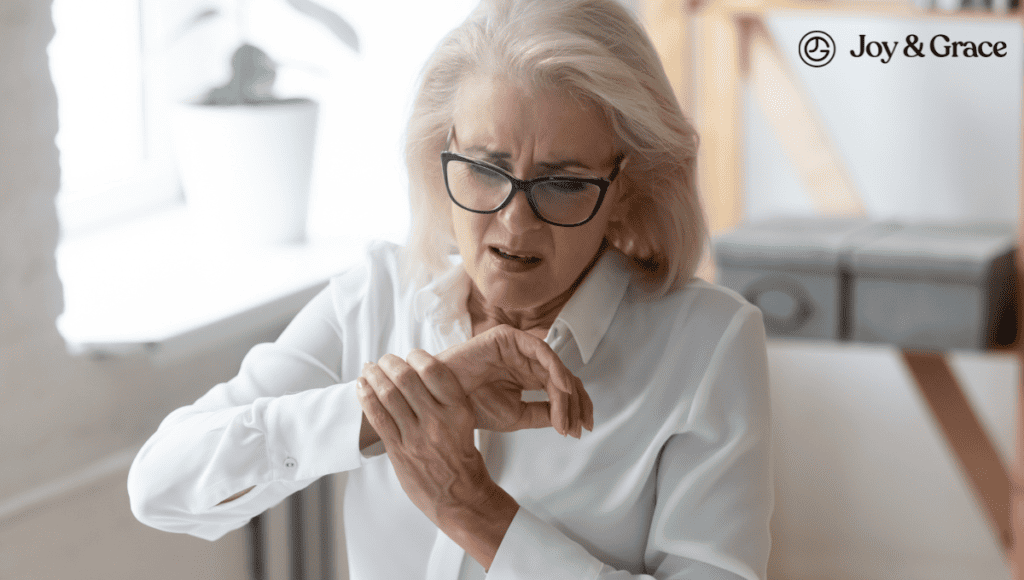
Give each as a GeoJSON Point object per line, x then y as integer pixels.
{"type": "Point", "coordinates": [524, 120]}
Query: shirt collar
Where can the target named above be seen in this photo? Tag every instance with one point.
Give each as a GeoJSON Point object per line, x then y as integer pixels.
{"type": "Point", "coordinates": [590, 310]}
{"type": "Point", "coordinates": [587, 314]}
{"type": "Point", "coordinates": [444, 297]}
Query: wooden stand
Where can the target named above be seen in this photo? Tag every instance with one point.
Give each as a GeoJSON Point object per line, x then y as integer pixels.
{"type": "Point", "coordinates": [967, 439]}
{"type": "Point", "coordinates": [712, 47]}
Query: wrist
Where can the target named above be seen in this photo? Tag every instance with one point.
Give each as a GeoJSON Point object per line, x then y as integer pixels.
{"type": "Point", "coordinates": [455, 367]}
{"type": "Point", "coordinates": [479, 527]}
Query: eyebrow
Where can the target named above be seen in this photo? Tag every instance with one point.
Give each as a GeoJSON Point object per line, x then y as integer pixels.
{"type": "Point", "coordinates": [487, 153]}
{"type": "Point", "coordinates": [567, 163]}
{"type": "Point", "coordinates": [553, 166]}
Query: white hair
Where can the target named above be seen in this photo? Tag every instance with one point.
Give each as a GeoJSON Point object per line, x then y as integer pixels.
{"type": "Point", "coordinates": [597, 51]}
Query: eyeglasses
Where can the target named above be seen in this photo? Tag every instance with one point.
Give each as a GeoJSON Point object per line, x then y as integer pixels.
{"type": "Point", "coordinates": [480, 187]}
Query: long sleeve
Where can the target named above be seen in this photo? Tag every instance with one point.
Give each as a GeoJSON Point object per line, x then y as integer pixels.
{"type": "Point", "coordinates": [287, 418]}
{"type": "Point", "coordinates": [713, 481]}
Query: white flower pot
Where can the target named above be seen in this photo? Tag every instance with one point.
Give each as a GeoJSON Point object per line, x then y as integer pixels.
{"type": "Point", "coordinates": [246, 169]}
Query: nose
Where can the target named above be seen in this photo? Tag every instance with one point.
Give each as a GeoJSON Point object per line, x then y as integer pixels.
{"type": "Point", "coordinates": [518, 216]}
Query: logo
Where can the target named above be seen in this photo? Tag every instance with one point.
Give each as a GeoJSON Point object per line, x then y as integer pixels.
{"type": "Point", "coordinates": [817, 48]}
{"type": "Point", "coordinates": [940, 46]}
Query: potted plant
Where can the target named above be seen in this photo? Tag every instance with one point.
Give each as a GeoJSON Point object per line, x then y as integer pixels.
{"type": "Point", "coordinates": [245, 155]}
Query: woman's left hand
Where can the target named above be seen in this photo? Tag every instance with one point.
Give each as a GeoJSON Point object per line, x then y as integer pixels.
{"type": "Point", "coordinates": [424, 420]}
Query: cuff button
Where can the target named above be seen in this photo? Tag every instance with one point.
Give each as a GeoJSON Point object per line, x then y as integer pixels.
{"type": "Point", "coordinates": [290, 462]}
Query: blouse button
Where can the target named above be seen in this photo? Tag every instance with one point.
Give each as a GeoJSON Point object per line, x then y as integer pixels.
{"type": "Point", "coordinates": [290, 462]}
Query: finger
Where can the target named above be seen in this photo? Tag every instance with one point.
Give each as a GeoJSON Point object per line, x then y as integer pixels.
{"type": "Point", "coordinates": [588, 406]}
{"type": "Point", "coordinates": [390, 397]}
{"type": "Point", "coordinates": [554, 372]}
{"type": "Point", "coordinates": [558, 410]}
{"type": "Point", "coordinates": [574, 410]}
{"type": "Point", "coordinates": [536, 415]}
{"type": "Point", "coordinates": [376, 414]}
{"type": "Point", "coordinates": [409, 384]}
{"type": "Point", "coordinates": [438, 378]}
{"type": "Point", "coordinates": [532, 359]}
{"type": "Point", "coordinates": [564, 389]}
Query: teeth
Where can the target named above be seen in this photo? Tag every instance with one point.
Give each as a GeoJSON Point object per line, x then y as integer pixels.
{"type": "Point", "coordinates": [514, 256]}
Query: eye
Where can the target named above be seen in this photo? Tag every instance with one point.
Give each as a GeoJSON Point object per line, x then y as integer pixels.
{"type": "Point", "coordinates": [567, 187]}
{"type": "Point", "coordinates": [484, 175]}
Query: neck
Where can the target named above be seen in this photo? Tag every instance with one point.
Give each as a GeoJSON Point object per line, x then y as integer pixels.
{"type": "Point", "coordinates": [535, 320]}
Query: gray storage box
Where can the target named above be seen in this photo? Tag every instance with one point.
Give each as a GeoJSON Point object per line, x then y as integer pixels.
{"type": "Point", "coordinates": [796, 270]}
{"type": "Point", "coordinates": [936, 287]}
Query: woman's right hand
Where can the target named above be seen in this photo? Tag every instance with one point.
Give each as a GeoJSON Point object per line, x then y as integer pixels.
{"type": "Point", "coordinates": [494, 368]}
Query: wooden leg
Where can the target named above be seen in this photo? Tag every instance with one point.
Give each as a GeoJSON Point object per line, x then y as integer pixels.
{"type": "Point", "coordinates": [257, 559]}
{"type": "Point", "coordinates": [1017, 495]}
{"type": "Point", "coordinates": [311, 531]}
{"type": "Point", "coordinates": [966, 437]}
{"type": "Point", "coordinates": [296, 536]}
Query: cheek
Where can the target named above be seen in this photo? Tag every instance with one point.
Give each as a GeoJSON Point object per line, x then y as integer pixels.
{"type": "Point", "coordinates": [469, 230]}
{"type": "Point", "coordinates": [577, 248]}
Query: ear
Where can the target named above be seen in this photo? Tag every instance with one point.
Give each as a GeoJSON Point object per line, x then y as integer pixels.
{"type": "Point", "coordinates": [624, 229]}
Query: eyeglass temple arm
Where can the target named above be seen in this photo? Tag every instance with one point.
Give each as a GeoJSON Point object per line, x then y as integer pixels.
{"type": "Point", "coordinates": [619, 166]}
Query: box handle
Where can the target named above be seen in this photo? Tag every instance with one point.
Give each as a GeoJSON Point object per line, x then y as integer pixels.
{"type": "Point", "coordinates": [781, 325]}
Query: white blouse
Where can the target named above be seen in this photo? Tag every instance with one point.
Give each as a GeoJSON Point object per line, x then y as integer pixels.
{"type": "Point", "coordinates": [673, 482]}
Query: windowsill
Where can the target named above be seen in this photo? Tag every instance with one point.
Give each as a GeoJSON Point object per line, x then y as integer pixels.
{"type": "Point", "coordinates": [148, 286]}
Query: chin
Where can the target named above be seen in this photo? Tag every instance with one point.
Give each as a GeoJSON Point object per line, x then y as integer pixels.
{"type": "Point", "coordinates": [514, 296]}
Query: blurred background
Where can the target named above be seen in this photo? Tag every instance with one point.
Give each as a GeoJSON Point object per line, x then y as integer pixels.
{"type": "Point", "coordinates": [119, 301]}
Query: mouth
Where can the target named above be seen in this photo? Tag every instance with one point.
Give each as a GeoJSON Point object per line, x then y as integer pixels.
{"type": "Point", "coordinates": [522, 258]}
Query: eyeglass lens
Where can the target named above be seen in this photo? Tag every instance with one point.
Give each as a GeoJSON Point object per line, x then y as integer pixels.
{"type": "Point", "coordinates": [481, 189]}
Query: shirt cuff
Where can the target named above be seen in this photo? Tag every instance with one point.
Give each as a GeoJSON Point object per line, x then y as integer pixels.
{"type": "Point", "coordinates": [313, 433]}
{"type": "Point", "coordinates": [533, 548]}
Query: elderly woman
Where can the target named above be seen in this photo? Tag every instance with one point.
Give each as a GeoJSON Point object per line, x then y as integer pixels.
{"type": "Point", "coordinates": [546, 147]}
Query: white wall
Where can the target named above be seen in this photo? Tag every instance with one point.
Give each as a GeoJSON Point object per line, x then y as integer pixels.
{"type": "Point", "coordinates": [58, 414]}
{"type": "Point", "coordinates": [866, 486]}
{"type": "Point", "coordinates": [922, 138]}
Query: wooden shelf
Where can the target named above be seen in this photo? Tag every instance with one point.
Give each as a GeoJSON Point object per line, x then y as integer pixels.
{"type": "Point", "coordinates": [861, 8]}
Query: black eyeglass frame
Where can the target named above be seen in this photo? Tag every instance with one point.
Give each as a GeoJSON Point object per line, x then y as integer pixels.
{"type": "Point", "coordinates": [527, 186]}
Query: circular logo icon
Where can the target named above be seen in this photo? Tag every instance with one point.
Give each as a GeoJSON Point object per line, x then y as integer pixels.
{"type": "Point", "coordinates": [817, 48]}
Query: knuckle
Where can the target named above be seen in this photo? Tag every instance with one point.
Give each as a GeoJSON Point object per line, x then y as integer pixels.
{"type": "Point", "coordinates": [390, 362]}
{"type": "Point", "coordinates": [464, 418]}
{"type": "Point", "coordinates": [375, 379]}
{"type": "Point", "coordinates": [388, 394]}
{"type": "Point", "coordinates": [374, 415]}
{"type": "Point", "coordinates": [417, 356]}
{"type": "Point", "coordinates": [406, 376]}
{"type": "Point", "coordinates": [421, 360]}
{"type": "Point", "coordinates": [433, 370]}
{"type": "Point", "coordinates": [373, 410]}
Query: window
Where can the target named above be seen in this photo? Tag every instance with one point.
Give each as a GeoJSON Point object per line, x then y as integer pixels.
{"type": "Point", "coordinates": [121, 66]}
{"type": "Point", "coordinates": [113, 161]}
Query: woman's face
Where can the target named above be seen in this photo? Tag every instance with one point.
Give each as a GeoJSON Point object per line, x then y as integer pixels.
{"type": "Point", "coordinates": [517, 261]}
